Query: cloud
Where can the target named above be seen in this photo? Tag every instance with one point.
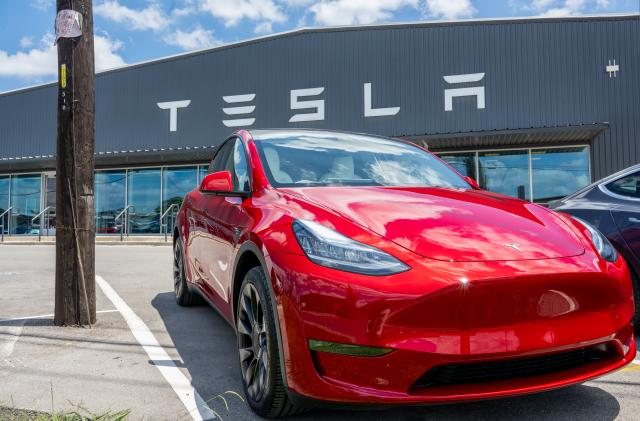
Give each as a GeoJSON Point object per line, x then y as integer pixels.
{"type": "Point", "coordinates": [298, 3]}
{"type": "Point", "coordinates": [106, 52]}
{"type": "Point", "coordinates": [449, 9]}
{"type": "Point", "coordinates": [263, 28]}
{"type": "Point", "coordinates": [151, 17]}
{"type": "Point", "coordinates": [26, 42]}
{"type": "Point", "coordinates": [43, 60]}
{"type": "Point", "coordinates": [197, 39]}
{"type": "Point", "coordinates": [349, 12]}
{"type": "Point", "coordinates": [233, 11]}
{"type": "Point", "coordinates": [565, 7]}
{"type": "Point", "coordinates": [42, 5]}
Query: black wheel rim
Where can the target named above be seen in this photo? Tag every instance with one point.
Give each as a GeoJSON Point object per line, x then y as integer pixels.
{"type": "Point", "coordinates": [252, 343]}
{"type": "Point", "coordinates": [177, 270]}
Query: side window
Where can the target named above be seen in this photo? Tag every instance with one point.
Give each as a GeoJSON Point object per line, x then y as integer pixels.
{"type": "Point", "coordinates": [219, 161]}
{"type": "Point", "coordinates": [626, 186]}
{"type": "Point", "coordinates": [238, 167]}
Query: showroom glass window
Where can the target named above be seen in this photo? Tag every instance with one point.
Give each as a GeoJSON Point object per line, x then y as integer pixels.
{"type": "Point", "coordinates": [25, 199]}
{"type": "Point", "coordinates": [4, 201]}
{"type": "Point", "coordinates": [464, 163]}
{"type": "Point", "coordinates": [628, 186]}
{"type": "Point", "coordinates": [110, 187]}
{"type": "Point", "coordinates": [505, 172]}
{"type": "Point", "coordinates": [558, 172]}
{"type": "Point", "coordinates": [176, 183]}
{"type": "Point", "coordinates": [143, 195]}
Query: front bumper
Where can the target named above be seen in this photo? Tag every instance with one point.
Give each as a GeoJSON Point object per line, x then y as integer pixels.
{"type": "Point", "coordinates": [442, 313]}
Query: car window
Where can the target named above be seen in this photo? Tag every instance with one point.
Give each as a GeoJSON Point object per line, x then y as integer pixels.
{"type": "Point", "coordinates": [237, 166]}
{"type": "Point", "coordinates": [219, 161]}
{"type": "Point", "coordinates": [626, 186]}
{"type": "Point", "coordinates": [344, 159]}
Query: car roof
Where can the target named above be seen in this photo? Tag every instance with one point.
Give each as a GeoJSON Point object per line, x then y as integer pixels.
{"type": "Point", "coordinates": [605, 180]}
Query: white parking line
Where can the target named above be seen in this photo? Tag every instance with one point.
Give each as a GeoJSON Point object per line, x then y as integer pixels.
{"type": "Point", "coordinates": [190, 397]}
{"type": "Point", "coordinates": [7, 344]}
{"type": "Point", "coordinates": [44, 316]}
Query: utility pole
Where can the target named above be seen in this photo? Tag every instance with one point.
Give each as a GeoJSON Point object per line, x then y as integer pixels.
{"type": "Point", "coordinates": [75, 296]}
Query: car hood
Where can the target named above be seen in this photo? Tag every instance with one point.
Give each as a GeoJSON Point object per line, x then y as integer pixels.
{"type": "Point", "coordinates": [451, 224]}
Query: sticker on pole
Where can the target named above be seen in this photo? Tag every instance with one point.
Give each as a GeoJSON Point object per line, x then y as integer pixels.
{"type": "Point", "coordinates": [68, 24]}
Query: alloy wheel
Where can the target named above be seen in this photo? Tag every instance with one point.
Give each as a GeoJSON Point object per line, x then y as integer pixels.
{"type": "Point", "coordinates": [252, 343]}
{"type": "Point", "coordinates": [177, 270]}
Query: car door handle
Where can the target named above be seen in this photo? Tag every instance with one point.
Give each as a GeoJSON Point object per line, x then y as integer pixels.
{"type": "Point", "coordinates": [635, 220]}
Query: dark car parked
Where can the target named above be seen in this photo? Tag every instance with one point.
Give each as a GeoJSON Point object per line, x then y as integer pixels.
{"type": "Point", "coordinates": [613, 206]}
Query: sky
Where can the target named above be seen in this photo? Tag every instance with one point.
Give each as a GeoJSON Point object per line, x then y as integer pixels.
{"type": "Point", "coordinates": [130, 31]}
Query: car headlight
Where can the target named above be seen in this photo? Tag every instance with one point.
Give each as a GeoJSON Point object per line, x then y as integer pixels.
{"type": "Point", "coordinates": [600, 242]}
{"type": "Point", "coordinates": [329, 248]}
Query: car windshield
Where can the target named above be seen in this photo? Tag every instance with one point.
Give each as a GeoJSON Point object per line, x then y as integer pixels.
{"type": "Point", "coordinates": [329, 159]}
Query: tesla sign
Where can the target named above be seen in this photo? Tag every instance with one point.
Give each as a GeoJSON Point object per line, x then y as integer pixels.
{"type": "Point", "coordinates": [308, 105]}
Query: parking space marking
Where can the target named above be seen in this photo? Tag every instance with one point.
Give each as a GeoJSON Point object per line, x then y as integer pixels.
{"type": "Point", "coordinates": [181, 385]}
{"type": "Point", "coordinates": [7, 345]}
{"type": "Point", "coordinates": [44, 316]}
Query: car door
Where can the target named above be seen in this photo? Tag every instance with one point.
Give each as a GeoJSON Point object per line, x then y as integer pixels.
{"type": "Point", "coordinates": [627, 214]}
{"type": "Point", "coordinates": [225, 221]}
{"type": "Point", "coordinates": [200, 230]}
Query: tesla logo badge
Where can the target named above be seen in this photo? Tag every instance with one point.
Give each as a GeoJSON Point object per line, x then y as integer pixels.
{"type": "Point", "coordinates": [514, 246]}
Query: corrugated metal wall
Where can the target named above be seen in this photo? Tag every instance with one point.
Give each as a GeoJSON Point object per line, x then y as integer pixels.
{"type": "Point", "coordinates": [538, 73]}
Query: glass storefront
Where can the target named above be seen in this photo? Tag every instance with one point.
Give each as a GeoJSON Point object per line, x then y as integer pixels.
{"type": "Point", "coordinates": [176, 182]}
{"type": "Point", "coordinates": [25, 200]}
{"type": "Point", "coordinates": [4, 201]}
{"type": "Point", "coordinates": [558, 172]}
{"type": "Point", "coordinates": [109, 199]}
{"type": "Point", "coordinates": [505, 172]}
{"type": "Point", "coordinates": [464, 163]}
{"type": "Point", "coordinates": [143, 195]}
{"type": "Point", "coordinates": [535, 174]}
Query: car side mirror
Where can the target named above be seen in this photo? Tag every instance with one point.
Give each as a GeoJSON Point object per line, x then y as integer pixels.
{"type": "Point", "coordinates": [472, 182]}
{"type": "Point", "coordinates": [217, 182]}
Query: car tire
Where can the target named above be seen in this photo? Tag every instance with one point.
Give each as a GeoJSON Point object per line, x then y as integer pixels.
{"type": "Point", "coordinates": [184, 296]}
{"type": "Point", "coordinates": [258, 349]}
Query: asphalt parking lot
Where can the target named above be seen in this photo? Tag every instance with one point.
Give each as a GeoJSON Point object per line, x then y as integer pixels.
{"type": "Point", "coordinates": [106, 368]}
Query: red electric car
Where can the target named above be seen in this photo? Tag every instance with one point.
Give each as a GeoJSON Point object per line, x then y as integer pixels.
{"type": "Point", "coordinates": [363, 270]}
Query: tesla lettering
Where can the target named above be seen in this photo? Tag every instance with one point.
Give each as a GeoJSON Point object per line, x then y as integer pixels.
{"type": "Point", "coordinates": [297, 104]}
{"type": "Point", "coordinates": [369, 111]}
{"type": "Point", "coordinates": [173, 106]}
{"type": "Point", "coordinates": [241, 107]}
{"type": "Point", "coordinates": [477, 91]}
{"type": "Point", "coordinates": [242, 110]}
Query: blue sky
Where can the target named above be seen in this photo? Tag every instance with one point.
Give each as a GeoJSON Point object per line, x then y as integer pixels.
{"type": "Point", "coordinates": [130, 31]}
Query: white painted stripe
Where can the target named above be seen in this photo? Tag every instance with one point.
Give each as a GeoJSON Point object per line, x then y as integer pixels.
{"type": "Point", "coordinates": [239, 110]}
{"type": "Point", "coordinates": [44, 316]}
{"type": "Point", "coordinates": [233, 99]}
{"type": "Point", "coordinates": [190, 397]}
{"type": "Point", "coordinates": [7, 344]}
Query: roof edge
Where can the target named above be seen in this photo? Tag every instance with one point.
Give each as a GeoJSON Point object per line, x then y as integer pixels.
{"type": "Point", "coordinates": [344, 28]}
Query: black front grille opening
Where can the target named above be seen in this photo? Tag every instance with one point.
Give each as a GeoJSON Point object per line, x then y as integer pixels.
{"type": "Point", "coordinates": [491, 371]}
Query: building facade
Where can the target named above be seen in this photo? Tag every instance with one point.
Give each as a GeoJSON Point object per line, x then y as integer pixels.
{"type": "Point", "coordinates": [534, 108]}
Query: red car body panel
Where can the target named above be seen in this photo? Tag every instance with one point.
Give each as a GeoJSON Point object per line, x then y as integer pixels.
{"type": "Point", "coordinates": [466, 298]}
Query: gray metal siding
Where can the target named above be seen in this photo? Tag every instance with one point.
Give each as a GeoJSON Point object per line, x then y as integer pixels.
{"type": "Point", "coordinates": [537, 74]}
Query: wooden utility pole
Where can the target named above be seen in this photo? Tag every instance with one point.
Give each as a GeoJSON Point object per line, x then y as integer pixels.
{"type": "Point", "coordinates": [75, 301]}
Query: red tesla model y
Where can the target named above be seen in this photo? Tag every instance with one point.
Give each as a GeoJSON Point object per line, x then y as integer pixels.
{"type": "Point", "coordinates": [364, 270]}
